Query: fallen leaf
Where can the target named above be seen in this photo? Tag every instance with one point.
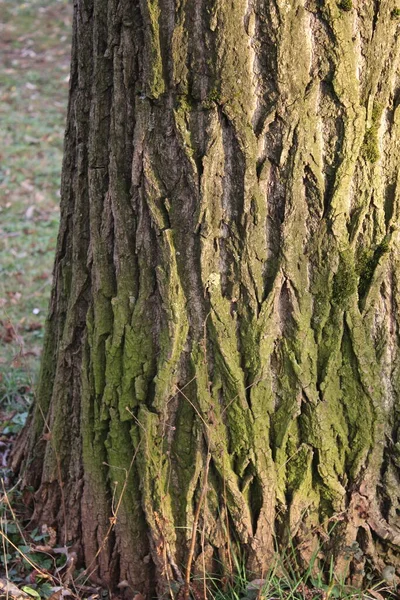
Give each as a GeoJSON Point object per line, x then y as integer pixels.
{"type": "Point", "coordinates": [30, 212]}
{"type": "Point", "coordinates": [11, 590]}
{"type": "Point", "coordinates": [34, 326]}
{"type": "Point", "coordinates": [52, 536]}
{"type": "Point", "coordinates": [56, 595]}
{"type": "Point", "coordinates": [31, 591]}
{"type": "Point", "coordinates": [8, 334]}
{"type": "Point", "coordinates": [376, 594]}
{"type": "Point", "coordinates": [31, 140]}
{"type": "Point", "coordinates": [27, 185]}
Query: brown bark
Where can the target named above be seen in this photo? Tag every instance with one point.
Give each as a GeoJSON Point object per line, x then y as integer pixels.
{"type": "Point", "coordinates": [225, 284]}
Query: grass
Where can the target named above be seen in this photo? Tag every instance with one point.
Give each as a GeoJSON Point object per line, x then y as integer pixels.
{"type": "Point", "coordinates": [35, 40]}
{"type": "Point", "coordinates": [288, 580]}
{"type": "Point", "coordinates": [37, 566]}
{"type": "Point", "coordinates": [35, 48]}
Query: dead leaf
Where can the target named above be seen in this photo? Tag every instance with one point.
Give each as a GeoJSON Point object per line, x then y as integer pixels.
{"type": "Point", "coordinates": [52, 536]}
{"type": "Point", "coordinates": [56, 595]}
{"type": "Point", "coordinates": [47, 549]}
{"type": "Point", "coordinates": [11, 590]}
{"type": "Point", "coordinates": [376, 594]}
{"type": "Point", "coordinates": [8, 334]}
{"type": "Point", "coordinates": [15, 297]}
{"type": "Point", "coordinates": [39, 197]}
{"type": "Point", "coordinates": [69, 567]}
{"type": "Point", "coordinates": [35, 351]}
{"type": "Point", "coordinates": [27, 185]}
{"type": "Point", "coordinates": [34, 326]}
{"type": "Point", "coordinates": [30, 212]}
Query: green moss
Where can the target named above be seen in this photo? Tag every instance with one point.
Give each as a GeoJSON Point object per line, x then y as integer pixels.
{"type": "Point", "coordinates": [395, 14]}
{"type": "Point", "coordinates": [182, 124]}
{"type": "Point", "coordinates": [185, 103]}
{"type": "Point", "coordinates": [358, 410]}
{"type": "Point", "coordinates": [345, 280]}
{"type": "Point", "coordinates": [365, 268]}
{"type": "Point", "coordinates": [377, 110]}
{"type": "Point", "coordinates": [156, 79]}
{"type": "Point", "coordinates": [370, 145]}
{"type": "Point", "coordinates": [321, 289]}
{"type": "Point", "coordinates": [232, 377]}
{"type": "Point", "coordinates": [153, 466]}
{"type": "Point", "coordinates": [186, 460]}
{"type": "Point", "coordinates": [298, 455]}
{"type": "Point", "coordinates": [179, 49]}
{"type": "Point", "coordinates": [232, 70]}
{"type": "Point", "coordinates": [173, 335]}
{"type": "Point", "coordinates": [367, 264]}
{"type": "Point", "coordinates": [324, 428]}
{"type": "Point", "coordinates": [214, 97]}
{"type": "Point", "coordinates": [329, 341]}
{"type": "Point", "coordinates": [346, 5]}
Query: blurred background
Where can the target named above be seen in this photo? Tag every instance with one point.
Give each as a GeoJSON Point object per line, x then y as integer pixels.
{"type": "Point", "coordinates": [34, 72]}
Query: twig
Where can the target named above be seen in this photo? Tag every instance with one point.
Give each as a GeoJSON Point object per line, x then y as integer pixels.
{"type": "Point", "coordinates": [237, 395]}
{"type": "Point", "coordinates": [44, 575]}
{"type": "Point", "coordinates": [192, 405]}
{"type": "Point", "coordinates": [6, 498]}
{"type": "Point", "coordinates": [4, 556]}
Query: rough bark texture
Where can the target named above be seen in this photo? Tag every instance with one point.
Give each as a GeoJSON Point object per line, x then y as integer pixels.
{"type": "Point", "coordinates": [226, 284]}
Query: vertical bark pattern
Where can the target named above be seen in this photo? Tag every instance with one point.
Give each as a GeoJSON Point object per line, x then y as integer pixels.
{"type": "Point", "coordinates": [226, 282]}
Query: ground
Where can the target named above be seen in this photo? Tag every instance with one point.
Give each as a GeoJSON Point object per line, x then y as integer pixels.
{"type": "Point", "coordinates": [34, 47]}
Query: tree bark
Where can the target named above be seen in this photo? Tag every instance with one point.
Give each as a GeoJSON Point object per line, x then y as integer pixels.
{"type": "Point", "coordinates": [226, 289]}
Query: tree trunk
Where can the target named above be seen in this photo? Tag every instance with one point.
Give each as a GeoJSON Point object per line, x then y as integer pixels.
{"type": "Point", "coordinates": [221, 365]}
